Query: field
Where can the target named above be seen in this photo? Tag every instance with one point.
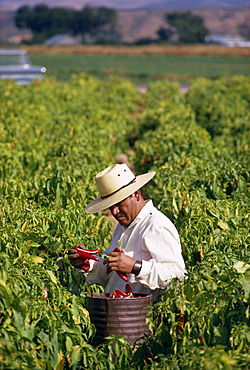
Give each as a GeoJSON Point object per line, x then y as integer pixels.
{"type": "Point", "coordinates": [144, 64]}
{"type": "Point", "coordinates": [55, 136]}
{"type": "Point", "coordinates": [143, 69]}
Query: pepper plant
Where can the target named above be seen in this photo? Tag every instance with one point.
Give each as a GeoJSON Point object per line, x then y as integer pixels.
{"type": "Point", "coordinates": [54, 138]}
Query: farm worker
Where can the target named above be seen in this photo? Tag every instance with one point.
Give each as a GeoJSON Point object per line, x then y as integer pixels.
{"type": "Point", "coordinates": [150, 242]}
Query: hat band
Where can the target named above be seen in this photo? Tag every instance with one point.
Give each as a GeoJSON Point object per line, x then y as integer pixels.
{"type": "Point", "coordinates": [124, 186]}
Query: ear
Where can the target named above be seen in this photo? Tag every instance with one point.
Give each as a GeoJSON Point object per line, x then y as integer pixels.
{"type": "Point", "coordinates": [138, 195]}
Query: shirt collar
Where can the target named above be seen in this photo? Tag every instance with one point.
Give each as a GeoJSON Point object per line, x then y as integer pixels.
{"type": "Point", "coordinates": [143, 212]}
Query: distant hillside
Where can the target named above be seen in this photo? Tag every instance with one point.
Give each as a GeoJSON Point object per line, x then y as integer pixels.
{"type": "Point", "coordinates": [139, 24]}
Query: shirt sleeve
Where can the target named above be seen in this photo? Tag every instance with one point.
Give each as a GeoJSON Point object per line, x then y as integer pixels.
{"type": "Point", "coordinates": [97, 273]}
{"type": "Point", "coordinates": [164, 262]}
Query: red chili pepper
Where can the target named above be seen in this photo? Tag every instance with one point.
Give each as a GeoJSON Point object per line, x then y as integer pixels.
{"type": "Point", "coordinates": [113, 295]}
{"type": "Point", "coordinates": [201, 339]}
{"type": "Point", "coordinates": [117, 293]}
{"type": "Point", "coordinates": [119, 273]}
{"type": "Point", "coordinates": [123, 276]}
{"type": "Point", "coordinates": [92, 251]}
{"type": "Point", "coordinates": [120, 294]}
{"type": "Point", "coordinates": [180, 323]}
{"type": "Point", "coordinates": [184, 205]}
{"type": "Point", "coordinates": [85, 254]}
{"type": "Point", "coordinates": [86, 265]}
{"type": "Point", "coordinates": [129, 290]}
{"type": "Point", "coordinates": [199, 256]}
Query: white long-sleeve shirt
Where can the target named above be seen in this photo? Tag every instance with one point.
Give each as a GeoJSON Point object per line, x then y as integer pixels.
{"type": "Point", "coordinates": [151, 238]}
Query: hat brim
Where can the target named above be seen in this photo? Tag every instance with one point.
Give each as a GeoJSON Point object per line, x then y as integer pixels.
{"type": "Point", "coordinates": [100, 204]}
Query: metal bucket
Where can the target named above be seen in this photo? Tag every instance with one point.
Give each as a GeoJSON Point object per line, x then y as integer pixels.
{"type": "Point", "coordinates": [119, 316]}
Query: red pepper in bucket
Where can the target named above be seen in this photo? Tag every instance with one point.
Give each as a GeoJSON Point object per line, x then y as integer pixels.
{"type": "Point", "coordinates": [117, 293]}
{"type": "Point", "coordinates": [129, 290]}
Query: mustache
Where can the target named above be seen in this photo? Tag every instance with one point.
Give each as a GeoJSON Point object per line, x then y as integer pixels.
{"type": "Point", "coordinates": [120, 215]}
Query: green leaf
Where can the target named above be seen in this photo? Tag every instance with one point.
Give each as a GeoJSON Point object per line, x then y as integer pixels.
{"type": "Point", "coordinates": [223, 225]}
{"type": "Point", "coordinates": [175, 205]}
{"type": "Point", "coordinates": [37, 259]}
{"type": "Point", "coordinates": [210, 213]}
{"type": "Point", "coordinates": [246, 285]}
{"type": "Point", "coordinates": [75, 356]}
{"type": "Point", "coordinates": [52, 277]}
{"type": "Point", "coordinates": [68, 343]}
{"type": "Point", "coordinates": [220, 336]}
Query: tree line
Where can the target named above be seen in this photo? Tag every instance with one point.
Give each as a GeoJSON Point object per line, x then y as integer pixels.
{"type": "Point", "coordinates": [99, 25]}
{"type": "Point", "coordinates": [96, 24]}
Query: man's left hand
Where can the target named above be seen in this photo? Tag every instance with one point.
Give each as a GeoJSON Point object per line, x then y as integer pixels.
{"type": "Point", "coordinates": [120, 262]}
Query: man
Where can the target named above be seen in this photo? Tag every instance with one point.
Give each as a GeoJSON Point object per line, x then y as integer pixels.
{"type": "Point", "coordinates": [150, 242]}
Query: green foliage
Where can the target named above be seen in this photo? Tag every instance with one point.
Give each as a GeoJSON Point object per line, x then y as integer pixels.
{"type": "Point", "coordinates": [45, 22]}
{"type": "Point", "coordinates": [222, 107]}
{"type": "Point", "coordinates": [54, 138]}
{"type": "Point", "coordinates": [186, 28]}
{"type": "Point", "coordinates": [202, 184]}
{"type": "Point", "coordinates": [164, 34]}
{"type": "Point", "coordinates": [219, 112]}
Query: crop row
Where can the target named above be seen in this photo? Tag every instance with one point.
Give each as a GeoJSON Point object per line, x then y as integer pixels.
{"type": "Point", "coordinates": [54, 138]}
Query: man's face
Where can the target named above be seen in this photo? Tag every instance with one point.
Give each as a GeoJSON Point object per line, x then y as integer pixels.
{"type": "Point", "coordinates": [126, 210]}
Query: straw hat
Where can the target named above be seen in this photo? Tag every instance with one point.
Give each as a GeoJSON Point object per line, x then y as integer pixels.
{"type": "Point", "coordinates": [114, 184]}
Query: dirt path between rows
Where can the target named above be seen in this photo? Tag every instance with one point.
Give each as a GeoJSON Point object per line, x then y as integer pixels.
{"type": "Point", "coordinates": [143, 88]}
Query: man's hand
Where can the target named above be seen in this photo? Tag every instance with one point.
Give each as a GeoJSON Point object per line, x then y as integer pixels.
{"type": "Point", "coordinates": [79, 252]}
{"type": "Point", "coordinates": [120, 262]}
{"type": "Point", "coordinates": [73, 256]}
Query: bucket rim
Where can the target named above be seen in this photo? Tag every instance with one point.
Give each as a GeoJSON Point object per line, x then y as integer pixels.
{"type": "Point", "coordinates": [106, 296]}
